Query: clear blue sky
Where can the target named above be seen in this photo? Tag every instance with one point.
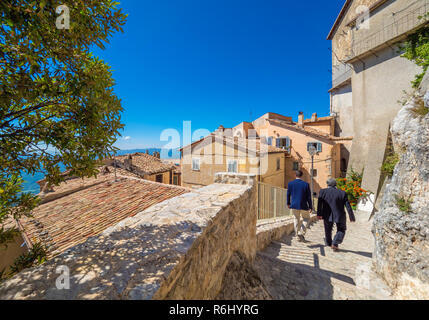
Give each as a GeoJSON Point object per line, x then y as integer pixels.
{"type": "Point", "coordinates": [218, 62]}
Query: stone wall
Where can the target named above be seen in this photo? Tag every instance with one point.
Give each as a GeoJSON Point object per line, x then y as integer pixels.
{"type": "Point", "coordinates": [232, 229]}
{"type": "Point", "coordinates": [178, 249]}
{"type": "Point", "coordinates": [401, 237]}
{"type": "Point", "coordinates": [275, 229]}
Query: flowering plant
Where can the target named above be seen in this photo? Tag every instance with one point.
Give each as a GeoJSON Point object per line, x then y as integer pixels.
{"type": "Point", "coordinates": [352, 186]}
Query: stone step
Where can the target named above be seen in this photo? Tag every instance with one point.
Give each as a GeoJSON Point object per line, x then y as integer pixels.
{"type": "Point", "coordinates": [288, 252]}
{"type": "Point", "coordinates": [311, 270]}
{"type": "Point", "coordinates": [321, 285]}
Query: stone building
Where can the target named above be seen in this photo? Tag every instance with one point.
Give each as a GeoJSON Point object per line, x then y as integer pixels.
{"type": "Point", "coordinates": [224, 153]}
{"type": "Point", "coordinates": [272, 147]}
{"type": "Point", "coordinates": [297, 137]}
{"type": "Point", "coordinates": [369, 77]}
{"type": "Point", "coordinates": [148, 167]}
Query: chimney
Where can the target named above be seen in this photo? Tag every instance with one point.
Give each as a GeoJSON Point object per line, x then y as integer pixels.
{"type": "Point", "coordinates": [128, 163]}
{"type": "Point", "coordinates": [314, 117]}
{"type": "Point", "coordinates": [156, 154]}
{"type": "Point", "coordinates": [301, 119]}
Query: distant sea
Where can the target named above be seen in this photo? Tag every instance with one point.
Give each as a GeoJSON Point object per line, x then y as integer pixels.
{"type": "Point", "coordinates": [30, 182]}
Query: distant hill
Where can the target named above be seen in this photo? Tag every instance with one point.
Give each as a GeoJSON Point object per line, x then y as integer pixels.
{"type": "Point", "coordinates": [30, 182]}
{"type": "Point", "coordinates": [171, 154]}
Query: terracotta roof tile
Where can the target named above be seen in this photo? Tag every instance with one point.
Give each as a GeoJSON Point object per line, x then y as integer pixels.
{"type": "Point", "coordinates": [309, 130]}
{"type": "Point", "coordinates": [147, 163]}
{"type": "Point", "coordinates": [64, 222]}
{"type": "Point", "coordinates": [253, 145]}
{"type": "Point", "coordinates": [319, 119]}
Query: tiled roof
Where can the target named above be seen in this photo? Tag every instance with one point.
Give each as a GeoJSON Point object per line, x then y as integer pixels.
{"type": "Point", "coordinates": [309, 131]}
{"type": "Point", "coordinates": [254, 145]}
{"type": "Point", "coordinates": [147, 163]}
{"type": "Point", "coordinates": [119, 171]}
{"type": "Point", "coordinates": [175, 163]}
{"type": "Point", "coordinates": [247, 144]}
{"type": "Point", "coordinates": [319, 119]}
{"type": "Point", "coordinates": [63, 222]}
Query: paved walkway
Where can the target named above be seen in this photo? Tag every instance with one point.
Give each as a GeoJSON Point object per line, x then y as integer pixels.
{"type": "Point", "coordinates": [310, 270]}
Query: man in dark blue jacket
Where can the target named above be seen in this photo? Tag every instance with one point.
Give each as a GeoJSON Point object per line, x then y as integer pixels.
{"type": "Point", "coordinates": [300, 204]}
{"type": "Point", "coordinates": [330, 208]}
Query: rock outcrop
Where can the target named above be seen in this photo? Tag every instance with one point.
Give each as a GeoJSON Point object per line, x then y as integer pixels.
{"type": "Point", "coordinates": [401, 227]}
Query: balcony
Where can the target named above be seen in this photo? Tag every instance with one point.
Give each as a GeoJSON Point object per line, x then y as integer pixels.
{"type": "Point", "coordinates": [393, 28]}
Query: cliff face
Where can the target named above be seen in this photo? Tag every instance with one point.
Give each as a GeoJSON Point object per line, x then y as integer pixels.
{"type": "Point", "coordinates": [402, 235]}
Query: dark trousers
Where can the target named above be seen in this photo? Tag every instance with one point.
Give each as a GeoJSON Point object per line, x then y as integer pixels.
{"type": "Point", "coordinates": [339, 237]}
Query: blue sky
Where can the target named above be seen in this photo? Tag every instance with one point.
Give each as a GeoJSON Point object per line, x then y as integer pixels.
{"type": "Point", "coordinates": [218, 62]}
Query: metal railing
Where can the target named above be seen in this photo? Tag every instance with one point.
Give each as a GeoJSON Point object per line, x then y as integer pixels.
{"type": "Point", "coordinates": [408, 22]}
{"type": "Point", "coordinates": [272, 202]}
{"type": "Point", "coordinates": [342, 75]}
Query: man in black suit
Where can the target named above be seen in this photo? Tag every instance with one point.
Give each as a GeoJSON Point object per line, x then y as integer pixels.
{"type": "Point", "coordinates": [331, 209]}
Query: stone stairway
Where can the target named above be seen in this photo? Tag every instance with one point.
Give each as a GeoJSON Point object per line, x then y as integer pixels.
{"type": "Point", "coordinates": [311, 271]}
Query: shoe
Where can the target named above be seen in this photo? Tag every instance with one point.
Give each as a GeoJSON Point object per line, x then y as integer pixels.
{"type": "Point", "coordinates": [301, 238]}
{"type": "Point", "coordinates": [335, 249]}
{"type": "Point", "coordinates": [326, 243]}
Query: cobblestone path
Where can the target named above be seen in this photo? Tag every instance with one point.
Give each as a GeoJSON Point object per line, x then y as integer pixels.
{"type": "Point", "coordinates": [312, 271]}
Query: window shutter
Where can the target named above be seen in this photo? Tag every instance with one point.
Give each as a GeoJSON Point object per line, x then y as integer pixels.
{"type": "Point", "coordinates": [233, 166]}
{"type": "Point", "coordinates": [319, 147]}
{"type": "Point", "coordinates": [278, 143]}
{"type": "Point", "coordinates": [195, 164]}
{"type": "Point", "coordinates": [287, 142]}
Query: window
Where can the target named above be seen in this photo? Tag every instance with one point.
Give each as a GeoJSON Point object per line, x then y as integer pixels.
{"type": "Point", "coordinates": [295, 166]}
{"type": "Point", "coordinates": [270, 141]}
{"type": "Point", "coordinates": [175, 180]}
{"type": "Point", "coordinates": [317, 145]}
{"type": "Point", "coordinates": [278, 164]}
{"type": "Point", "coordinates": [314, 172]}
{"type": "Point", "coordinates": [196, 164]}
{"type": "Point", "coordinates": [158, 178]}
{"type": "Point", "coordinates": [283, 142]}
{"type": "Point", "coordinates": [233, 166]}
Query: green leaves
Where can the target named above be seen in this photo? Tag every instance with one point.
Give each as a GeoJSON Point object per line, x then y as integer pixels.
{"type": "Point", "coordinates": [36, 255]}
{"type": "Point", "coordinates": [57, 101]}
{"type": "Point", "coordinates": [416, 49]}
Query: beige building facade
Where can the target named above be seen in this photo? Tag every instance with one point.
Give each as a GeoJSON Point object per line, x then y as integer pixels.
{"type": "Point", "coordinates": [224, 153]}
{"type": "Point", "coordinates": [296, 137]}
{"type": "Point", "coordinates": [272, 147]}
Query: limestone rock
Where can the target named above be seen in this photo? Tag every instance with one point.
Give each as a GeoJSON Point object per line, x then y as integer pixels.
{"type": "Point", "coordinates": [402, 238]}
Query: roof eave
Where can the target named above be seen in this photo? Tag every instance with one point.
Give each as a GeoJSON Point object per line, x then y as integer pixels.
{"type": "Point", "coordinates": [339, 19]}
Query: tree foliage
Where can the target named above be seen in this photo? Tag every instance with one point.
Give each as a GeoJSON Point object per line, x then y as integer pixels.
{"type": "Point", "coordinates": [57, 100]}
{"type": "Point", "coordinates": [36, 255]}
